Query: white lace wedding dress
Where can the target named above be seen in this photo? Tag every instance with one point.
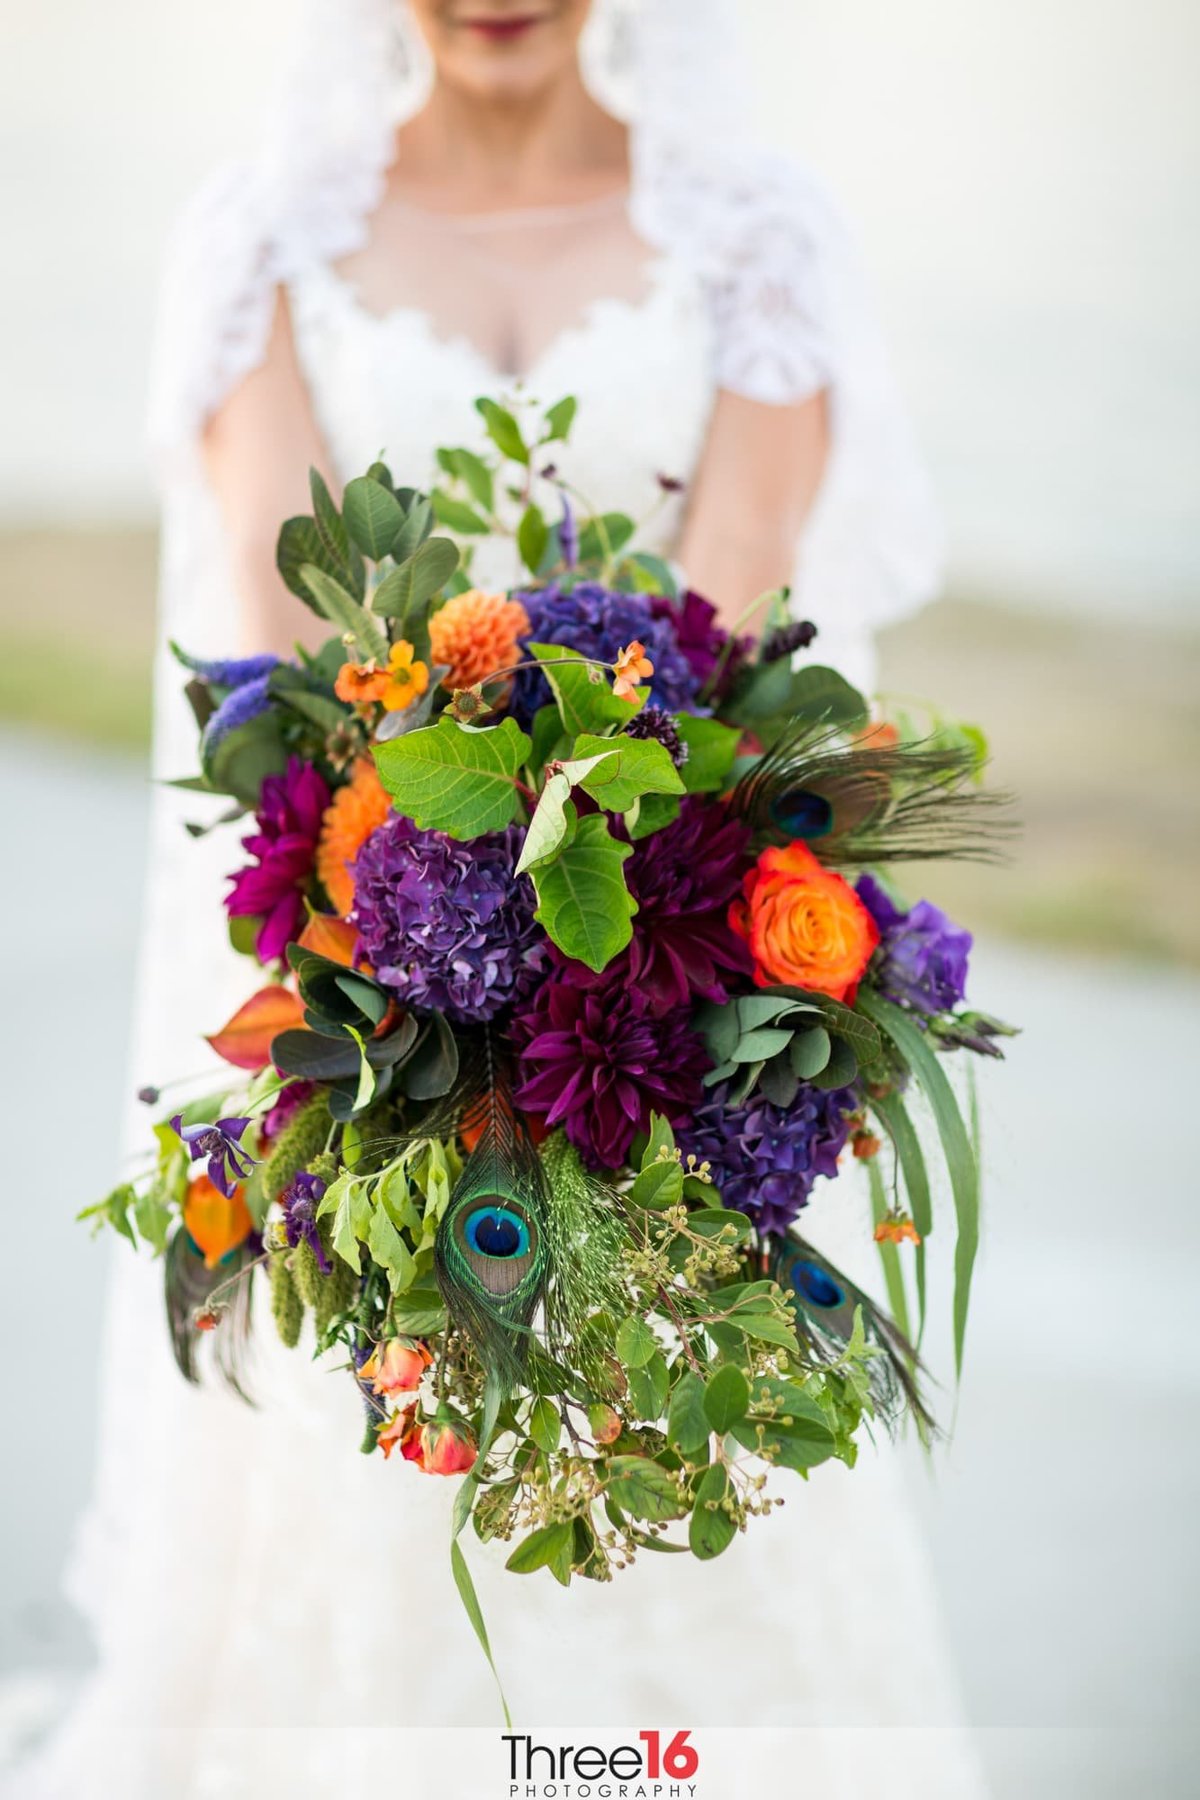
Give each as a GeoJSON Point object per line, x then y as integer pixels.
{"type": "Point", "coordinates": [264, 1599]}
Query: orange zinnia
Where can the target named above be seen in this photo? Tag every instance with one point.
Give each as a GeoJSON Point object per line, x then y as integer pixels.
{"type": "Point", "coordinates": [806, 926]}
{"type": "Point", "coordinates": [350, 818]}
{"type": "Point", "coordinates": [476, 634]}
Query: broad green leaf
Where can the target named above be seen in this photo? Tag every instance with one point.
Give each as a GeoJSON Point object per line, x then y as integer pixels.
{"type": "Point", "coordinates": [840, 1069]}
{"type": "Point", "coordinates": [810, 1051]}
{"type": "Point", "coordinates": [643, 1488]}
{"type": "Point", "coordinates": [342, 610]}
{"type": "Point", "coordinates": [545, 1424]}
{"type": "Point", "coordinates": [409, 587]}
{"type": "Point", "coordinates": [473, 471]}
{"type": "Point", "coordinates": [390, 1251]}
{"type": "Point", "coordinates": [503, 430]}
{"type": "Point", "coordinates": [582, 692]}
{"type": "Point", "coordinates": [821, 693]}
{"type": "Point", "coordinates": [960, 1159]}
{"type": "Point", "coordinates": [802, 1444]}
{"type": "Point", "coordinates": [332, 528]}
{"type": "Point", "coordinates": [844, 1022]}
{"type": "Point", "coordinates": [450, 778]}
{"type": "Point", "coordinates": [113, 1210]}
{"type": "Point", "coordinates": [652, 575]}
{"type": "Point", "coordinates": [687, 1419]}
{"type": "Point", "coordinates": [244, 757]}
{"type": "Point", "coordinates": [559, 419]}
{"type": "Point", "coordinates": [726, 1398]}
{"type": "Point", "coordinates": [418, 523]}
{"type": "Point", "coordinates": [604, 536]}
{"type": "Point", "coordinates": [635, 1343]}
{"type": "Point", "coordinates": [152, 1217]}
{"type": "Point", "coordinates": [542, 1548]}
{"type": "Point", "coordinates": [653, 812]}
{"type": "Point", "coordinates": [711, 1221]}
{"type": "Point", "coordinates": [648, 1387]}
{"type": "Point", "coordinates": [345, 1238]}
{"type": "Point", "coordinates": [553, 822]}
{"type": "Point", "coordinates": [533, 534]}
{"type": "Point", "coordinates": [373, 516]}
{"type": "Point", "coordinates": [658, 1185]}
{"type": "Point", "coordinates": [712, 748]}
{"type": "Point", "coordinates": [458, 515]}
{"type": "Point", "coordinates": [710, 1528]}
{"type": "Point", "coordinates": [583, 901]}
{"type": "Point", "coordinates": [632, 767]}
{"type": "Point", "coordinates": [419, 1312]}
{"type": "Point", "coordinates": [299, 544]}
{"type": "Point", "coordinates": [756, 1046]}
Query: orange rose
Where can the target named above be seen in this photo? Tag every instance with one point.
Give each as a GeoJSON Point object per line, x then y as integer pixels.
{"type": "Point", "coordinates": [805, 926]}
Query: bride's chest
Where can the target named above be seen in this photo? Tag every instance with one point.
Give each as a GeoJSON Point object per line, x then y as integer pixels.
{"type": "Point", "coordinates": [394, 385]}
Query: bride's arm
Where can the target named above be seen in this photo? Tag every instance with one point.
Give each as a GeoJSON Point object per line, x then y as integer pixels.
{"type": "Point", "coordinates": [755, 486]}
{"type": "Point", "coordinates": [258, 449]}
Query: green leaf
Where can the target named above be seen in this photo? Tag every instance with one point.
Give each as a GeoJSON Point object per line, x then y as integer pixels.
{"type": "Point", "coordinates": [635, 1343]}
{"type": "Point", "coordinates": [844, 1022]}
{"type": "Point", "coordinates": [840, 1069]}
{"type": "Point", "coordinates": [604, 536]}
{"type": "Point", "coordinates": [543, 1548]}
{"type": "Point", "coordinates": [152, 1216]}
{"type": "Point", "coordinates": [710, 1529]}
{"type": "Point", "coordinates": [300, 543]}
{"type": "Point", "coordinates": [450, 778]}
{"type": "Point", "coordinates": [643, 1488]}
{"type": "Point", "coordinates": [244, 757]}
{"type": "Point", "coordinates": [533, 534]}
{"type": "Point", "coordinates": [345, 1238]}
{"type": "Point", "coordinates": [457, 515]}
{"type": "Point", "coordinates": [559, 419]}
{"type": "Point", "coordinates": [726, 1398]}
{"type": "Point", "coordinates": [956, 1145]}
{"type": "Point", "coordinates": [583, 901]}
{"type": "Point", "coordinates": [342, 610]}
{"type": "Point", "coordinates": [712, 748]}
{"type": "Point", "coordinates": [473, 472]}
{"type": "Point", "coordinates": [648, 1386]}
{"type": "Point", "coordinates": [810, 1051]}
{"type": "Point", "coordinates": [113, 1210]}
{"type": "Point", "coordinates": [802, 1444]}
{"type": "Point", "coordinates": [632, 767]}
{"type": "Point", "coordinates": [652, 575]}
{"type": "Point", "coordinates": [390, 1251]}
{"type": "Point", "coordinates": [419, 1312]}
{"type": "Point", "coordinates": [892, 1112]}
{"type": "Point", "coordinates": [545, 1424]}
{"type": "Point", "coordinates": [409, 587]}
{"type": "Point", "coordinates": [582, 692]}
{"type": "Point", "coordinates": [756, 1046]}
{"type": "Point", "coordinates": [553, 824]}
{"type": "Point", "coordinates": [658, 1185]}
{"type": "Point", "coordinates": [653, 812]}
{"type": "Point", "coordinates": [687, 1419]}
{"type": "Point", "coordinates": [335, 537]}
{"type": "Point", "coordinates": [821, 693]}
{"type": "Point", "coordinates": [373, 516]}
{"type": "Point", "coordinates": [503, 430]}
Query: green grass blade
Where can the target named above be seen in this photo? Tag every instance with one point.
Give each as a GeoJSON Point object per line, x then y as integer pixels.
{"type": "Point", "coordinates": [893, 1114]}
{"type": "Point", "coordinates": [889, 1256]}
{"type": "Point", "coordinates": [470, 1599]}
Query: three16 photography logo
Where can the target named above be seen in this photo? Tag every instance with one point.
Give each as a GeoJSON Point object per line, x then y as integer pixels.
{"type": "Point", "coordinates": [658, 1766]}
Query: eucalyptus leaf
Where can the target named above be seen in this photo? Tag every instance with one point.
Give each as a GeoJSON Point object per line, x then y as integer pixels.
{"type": "Point", "coordinates": [503, 430]}
{"type": "Point", "coordinates": [457, 515]}
{"type": "Point", "coordinates": [342, 609]}
{"type": "Point", "coordinates": [373, 516]}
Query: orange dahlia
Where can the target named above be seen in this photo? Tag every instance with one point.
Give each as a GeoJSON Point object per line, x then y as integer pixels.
{"type": "Point", "coordinates": [476, 634]}
{"type": "Point", "coordinates": [348, 822]}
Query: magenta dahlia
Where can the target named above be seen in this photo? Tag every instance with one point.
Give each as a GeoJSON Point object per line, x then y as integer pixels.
{"type": "Point", "coordinates": [683, 879]}
{"type": "Point", "coordinates": [596, 1061]}
{"type": "Point", "coordinates": [284, 847]}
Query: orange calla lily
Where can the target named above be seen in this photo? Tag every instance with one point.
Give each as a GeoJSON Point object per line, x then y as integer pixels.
{"type": "Point", "coordinates": [246, 1040]}
{"type": "Point", "coordinates": [327, 936]}
{"type": "Point", "coordinates": [216, 1225]}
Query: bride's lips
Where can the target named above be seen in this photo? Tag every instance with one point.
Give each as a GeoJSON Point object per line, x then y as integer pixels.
{"type": "Point", "coordinates": [503, 30]}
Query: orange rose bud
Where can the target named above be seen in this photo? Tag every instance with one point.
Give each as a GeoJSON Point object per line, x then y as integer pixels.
{"type": "Point", "coordinates": [442, 1446]}
{"type": "Point", "coordinates": [865, 1145]}
{"type": "Point", "coordinates": [216, 1225]}
{"type": "Point", "coordinates": [896, 1229]}
{"type": "Point", "coordinates": [396, 1367]}
{"type": "Point", "coordinates": [805, 926]}
{"type": "Point", "coordinates": [208, 1319]}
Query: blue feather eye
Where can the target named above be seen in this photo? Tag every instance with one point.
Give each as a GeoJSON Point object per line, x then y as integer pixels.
{"type": "Point", "coordinates": [815, 1285]}
{"type": "Point", "coordinates": [803, 813]}
{"type": "Point", "coordinates": [496, 1231]}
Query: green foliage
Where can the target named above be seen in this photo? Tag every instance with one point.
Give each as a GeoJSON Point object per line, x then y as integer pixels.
{"type": "Point", "coordinates": [454, 778]}
{"type": "Point", "coordinates": [583, 902]}
{"type": "Point", "coordinates": [712, 748]}
{"type": "Point", "coordinates": [287, 1308]}
{"type": "Point", "coordinates": [300, 1142]}
{"type": "Point", "coordinates": [503, 430]}
{"type": "Point", "coordinates": [582, 692]}
{"type": "Point", "coordinates": [633, 767]}
{"type": "Point", "coordinates": [779, 1037]}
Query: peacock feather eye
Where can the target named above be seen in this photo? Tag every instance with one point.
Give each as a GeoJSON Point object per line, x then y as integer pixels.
{"type": "Point", "coordinates": [497, 1241]}
{"type": "Point", "coordinates": [802, 813]}
{"type": "Point", "coordinates": [496, 1231]}
{"type": "Point", "coordinates": [815, 1285]}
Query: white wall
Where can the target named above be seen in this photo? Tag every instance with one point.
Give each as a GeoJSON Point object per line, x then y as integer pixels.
{"type": "Point", "coordinates": [1021, 176]}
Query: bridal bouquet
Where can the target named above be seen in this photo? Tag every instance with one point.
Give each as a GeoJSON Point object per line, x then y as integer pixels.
{"type": "Point", "coordinates": [576, 961]}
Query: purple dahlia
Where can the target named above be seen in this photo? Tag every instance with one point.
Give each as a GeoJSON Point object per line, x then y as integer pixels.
{"type": "Point", "coordinates": [765, 1158]}
{"type": "Point", "coordinates": [598, 621]}
{"type": "Point", "coordinates": [445, 925]}
{"type": "Point", "coordinates": [290, 808]}
{"type": "Point", "coordinates": [701, 639]}
{"type": "Point", "coordinates": [594, 1061]}
{"type": "Point", "coordinates": [683, 879]}
{"type": "Point", "coordinates": [922, 957]}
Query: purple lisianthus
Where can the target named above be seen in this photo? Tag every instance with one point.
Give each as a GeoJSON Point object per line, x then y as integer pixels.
{"type": "Point", "coordinates": [598, 622]}
{"type": "Point", "coordinates": [300, 1199]}
{"type": "Point", "coordinates": [221, 1144]}
{"type": "Point", "coordinates": [446, 926]}
{"type": "Point", "coordinates": [596, 1062]}
{"type": "Point", "coordinates": [290, 808]}
{"type": "Point", "coordinates": [765, 1158]}
{"type": "Point", "coordinates": [701, 639]}
{"type": "Point", "coordinates": [922, 957]}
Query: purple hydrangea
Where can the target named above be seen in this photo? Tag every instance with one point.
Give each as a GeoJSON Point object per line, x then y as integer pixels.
{"type": "Point", "coordinates": [922, 957]}
{"type": "Point", "coordinates": [445, 925]}
{"type": "Point", "coordinates": [765, 1158]}
{"type": "Point", "coordinates": [598, 621]}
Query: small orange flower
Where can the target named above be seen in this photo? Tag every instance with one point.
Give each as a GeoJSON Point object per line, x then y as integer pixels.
{"type": "Point", "coordinates": [408, 677]}
{"type": "Point", "coordinates": [475, 634]}
{"type": "Point", "coordinates": [348, 822]}
{"type": "Point", "coordinates": [865, 1145]}
{"type": "Point", "coordinates": [361, 684]}
{"type": "Point", "coordinates": [215, 1225]}
{"type": "Point", "coordinates": [398, 1428]}
{"type": "Point", "coordinates": [632, 666]}
{"type": "Point", "coordinates": [879, 736]}
{"type": "Point", "coordinates": [208, 1319]}
{"type": "Point", "coordinates": [896, 1228]}
{"type": "Point", "coordinates": [396, 1367]}
{"type": "Point", "coordinates": [805, 926]}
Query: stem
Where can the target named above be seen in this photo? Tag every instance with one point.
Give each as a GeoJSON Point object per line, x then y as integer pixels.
{"type": "Point", "coordinates": [680, 1328]}
{"type": "Point", "coordinates": [743, 618]}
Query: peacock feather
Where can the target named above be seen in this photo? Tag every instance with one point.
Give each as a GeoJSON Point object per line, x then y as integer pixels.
{"type": "Point", "coordinates": [190, 1288]}
{"type": "Point", "coordinates": [825, 1301]}
{"type": "Point", "coordinates": [857, 804]}
{"type": "Point", "coordinates": [492, 1251]}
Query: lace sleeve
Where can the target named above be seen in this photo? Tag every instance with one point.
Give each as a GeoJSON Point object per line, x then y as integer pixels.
{"type": "Point", "coordinates": [214, 310]}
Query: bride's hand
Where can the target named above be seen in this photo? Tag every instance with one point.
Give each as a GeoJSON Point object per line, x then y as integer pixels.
{"type": "Point", "coordinates": [755, 487]}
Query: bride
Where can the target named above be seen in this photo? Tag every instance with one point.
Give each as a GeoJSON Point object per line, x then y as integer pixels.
{"type": "Point", "coordinates": [455, 198]}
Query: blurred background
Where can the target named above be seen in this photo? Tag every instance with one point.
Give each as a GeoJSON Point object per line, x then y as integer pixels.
{"type": "Point", "coordinates": [1022, 180]}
